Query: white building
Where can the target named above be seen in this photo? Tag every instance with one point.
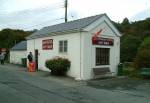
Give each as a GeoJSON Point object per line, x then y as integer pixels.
{"type": "Point", "coordinates": [73, 40]}
{"type": "Point", "coordinates": [18, 52]}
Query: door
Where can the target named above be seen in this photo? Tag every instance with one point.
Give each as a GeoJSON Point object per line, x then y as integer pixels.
{"type": "Point", "coordinates": [36, 59]}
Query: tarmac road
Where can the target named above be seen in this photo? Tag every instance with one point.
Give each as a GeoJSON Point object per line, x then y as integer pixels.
{"type": "Point", "coordinates": [19, 86]}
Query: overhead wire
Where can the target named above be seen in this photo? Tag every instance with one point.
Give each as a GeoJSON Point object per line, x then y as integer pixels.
{"type": "Point", "coordinates": [52, 20]}
{"type": "Point", "coordinates": [51, 8]}
{"type": "Point", "coordinates": [54, 7]}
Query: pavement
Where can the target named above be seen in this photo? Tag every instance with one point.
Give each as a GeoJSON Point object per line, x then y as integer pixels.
{"type": "Point", "coordinates": [19, 86]}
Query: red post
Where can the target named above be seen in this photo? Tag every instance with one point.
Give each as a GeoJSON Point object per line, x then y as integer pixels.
{"type": "Point", "coordinates": [31, 66]}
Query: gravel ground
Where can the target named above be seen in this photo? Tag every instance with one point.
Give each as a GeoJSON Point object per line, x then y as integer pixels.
{"type": "Point", "coordinates": [121, 83]}
{"type": "Point", "coordinates": [19, 86]}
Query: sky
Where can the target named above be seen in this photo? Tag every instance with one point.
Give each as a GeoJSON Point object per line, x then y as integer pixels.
{"type": "Point", "coordinates": [35, 14]}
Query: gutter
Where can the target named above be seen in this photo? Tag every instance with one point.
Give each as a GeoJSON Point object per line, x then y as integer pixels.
{"type": "Point", "coordinates": [80, 54]}
{"type": "Point", "coordinates": [53, 34]}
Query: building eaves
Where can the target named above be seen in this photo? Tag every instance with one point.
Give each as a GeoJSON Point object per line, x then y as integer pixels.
{"type": "Point", "coordinates": [20, 46]}
{"type": "Point", "coordinates": [69, 27]}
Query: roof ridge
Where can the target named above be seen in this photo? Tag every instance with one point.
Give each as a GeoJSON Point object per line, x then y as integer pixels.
{"type": "Point", "coordinates": [75, 20]}
{"type": "Point", "coordinates": [22, 45]}
{"type": "Point", "coordinates": [77, 24]}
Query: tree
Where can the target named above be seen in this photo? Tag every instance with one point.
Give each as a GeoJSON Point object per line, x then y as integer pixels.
{"type": "Point", "coordinates": [142, 59]}
{"type": "Point", "coordinates": [129, 46]}
{"type": "Point", "coordinates": [9, 37]}
{"type": "Point", "coordinates": [143, 56]}
{"type": "Point", "coordinates": [125, 21]}
{"type": "Point", "coordinates": [133, 34]}
{"type": "Point", "coordinates": [146, 34]}
{"type": "Point", "coordinates": [145, 44]}
{"type": "Point", "coordinates": [6, 38]}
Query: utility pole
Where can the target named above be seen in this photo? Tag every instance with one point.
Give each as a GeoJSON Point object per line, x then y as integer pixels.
{"type": "Point", "coordinates": [66, 11]}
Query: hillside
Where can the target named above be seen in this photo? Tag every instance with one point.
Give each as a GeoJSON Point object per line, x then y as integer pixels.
{"type": "Point", "coordinates": [10, 37]}
{"type": "Point", "coordinates": [133, 35]}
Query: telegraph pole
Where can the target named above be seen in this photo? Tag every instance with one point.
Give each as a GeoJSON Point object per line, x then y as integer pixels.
{"type": "Point", "coordinates": [66, 11]}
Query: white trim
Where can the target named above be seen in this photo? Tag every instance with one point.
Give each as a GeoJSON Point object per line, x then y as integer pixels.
{"type": "Point", "coordinates": [105, 19]}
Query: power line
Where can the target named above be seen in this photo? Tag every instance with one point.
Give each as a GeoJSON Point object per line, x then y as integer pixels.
{"type": "Point", "coordinates": [52, 20]}
{"type": "Point", "coordinates": [52, 7]}
{"type": "Point", "coordinates": [65, 4]}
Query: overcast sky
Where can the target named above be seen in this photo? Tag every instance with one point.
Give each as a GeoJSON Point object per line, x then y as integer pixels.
{"type": "Point", "coordinates": [35, 14]}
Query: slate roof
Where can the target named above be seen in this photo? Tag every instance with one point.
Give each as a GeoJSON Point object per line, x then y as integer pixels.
{"type": "Point", "coordinates": [64, 27]}
{"type": "Point", "coordinates": [20, 46]}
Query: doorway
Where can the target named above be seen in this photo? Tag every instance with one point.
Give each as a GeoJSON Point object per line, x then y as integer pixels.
{"type": "Point", "coordinates": [36, 59]}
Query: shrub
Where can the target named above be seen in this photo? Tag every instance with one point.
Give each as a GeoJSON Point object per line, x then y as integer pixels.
{"type": "Point", "coordinates": [143, 56]}
{"type": "Point", "coordinates": [58, 66]}
{"type": "Point", "coordinates": [131, 71]}
{"type": "Point", "coordinates": [145, 44]}
{"type": "Point", "coordinates": [128, 48]}
{"type": "Point", "coordinates": [127, 68]}
{"type": "Point", "coordinates": [142, 59]}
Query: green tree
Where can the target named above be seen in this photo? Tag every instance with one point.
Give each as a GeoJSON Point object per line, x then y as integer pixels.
{"type": "Point", "coordinates": [129, 46]}
{"type": "Point", "coordinates": [142, 59]}
{"type": "Point", "coordinates": [145, 44]}
{"type": "Point", "coordinates": [125, 21]}
{"type": "Point", "coordinates": [133, 34]}
{"type": "Point", "coordinates": [9, 37]}
{"type": "Point", "coordinates": [143, 56]}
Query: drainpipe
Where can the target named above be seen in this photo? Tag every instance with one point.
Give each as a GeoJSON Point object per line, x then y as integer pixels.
{"type": "Point", "coordinates": [80, 55]}
{"type": "Point", "coordinates": [34, 44]}
{"type": "Point", "coordinates": [34, 51]}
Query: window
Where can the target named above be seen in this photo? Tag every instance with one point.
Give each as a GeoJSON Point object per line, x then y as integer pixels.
{"type": "Point", "coordinates": [63, 46]}
{"type": "Point", "coordinates": [60, 46]}
{"type": "Point", "coordinates": [102, 56]}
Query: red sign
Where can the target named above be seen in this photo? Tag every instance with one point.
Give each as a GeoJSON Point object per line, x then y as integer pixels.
{"type": "Point", "coordinates": [47, 44]}
{"type": "Point", "coordinates": [2, 49]}
{"type": "Point", "coordinates": [98, 33]}
{"type": "Point", "coordinates": [102, 41]}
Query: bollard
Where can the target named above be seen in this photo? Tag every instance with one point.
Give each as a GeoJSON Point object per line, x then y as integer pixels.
{"type": "Point", "coordinates": [31, 66]}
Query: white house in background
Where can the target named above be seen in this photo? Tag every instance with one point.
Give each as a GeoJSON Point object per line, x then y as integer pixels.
{"type": "Point", "coordinates": [92, 45]}
{"type": "Point", "coordinates": [18, 52]}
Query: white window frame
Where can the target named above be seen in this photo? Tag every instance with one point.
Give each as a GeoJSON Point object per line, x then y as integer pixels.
{"type": "Point", "coordinates": [105, 58]}
{"type": "Point", "coordinates": [63, 48]}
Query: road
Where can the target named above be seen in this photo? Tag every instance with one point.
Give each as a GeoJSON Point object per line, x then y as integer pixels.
{"type": "Point", "coordinates": [19, 86]}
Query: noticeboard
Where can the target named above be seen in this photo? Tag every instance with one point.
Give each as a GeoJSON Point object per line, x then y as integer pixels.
{"type": "Point", "coordinates": [47, 44]}
{"type": "Point", "coordinates": [102, 41]}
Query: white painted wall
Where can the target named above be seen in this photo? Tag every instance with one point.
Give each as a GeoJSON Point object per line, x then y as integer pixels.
{"type": "Point", "coordinates": [88, 50]}
{"type": "Point", "coordinates": [73, 53]}
{"type": "Point", "coordinates": [16, 56]}
{"type": "Point", "coordinates": [81, 52]}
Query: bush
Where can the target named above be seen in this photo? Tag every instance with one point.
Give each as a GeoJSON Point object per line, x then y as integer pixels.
{"type": "Point", "coordinates": [145, 44]}
{"type": "Point", "coordinates": [142, 59]}
{"type": "Point", "coordinates": [58, 66]}
{"type": "Point", "coordinates": [143, 56]}
{"type": "Point", "coordinates": [129, 70]}
{"type": "Point", "coordinates": [129, 48]}
{"type": "Point", "coordinates": [127, 67]}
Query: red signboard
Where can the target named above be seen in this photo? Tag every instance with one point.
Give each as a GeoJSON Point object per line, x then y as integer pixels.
{"type": "Point", "coordinates": [3, 50]}
{"type": "Point", "coordinates": [47, 44]}
{"type": "Point", "coordinates": [102, 41]}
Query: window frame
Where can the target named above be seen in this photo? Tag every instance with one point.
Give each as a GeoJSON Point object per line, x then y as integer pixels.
{"type": "Point", "coordinates": [63, 46]}
{"type": "Point", "coordinates": [102, 58]}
